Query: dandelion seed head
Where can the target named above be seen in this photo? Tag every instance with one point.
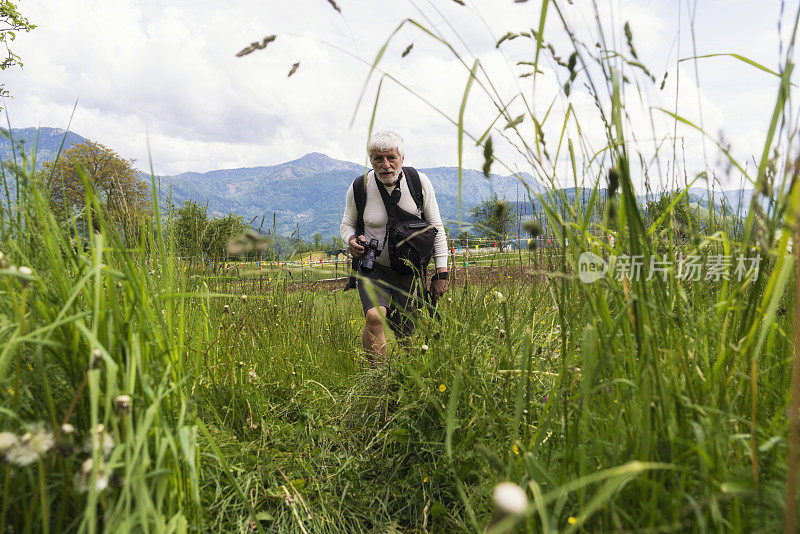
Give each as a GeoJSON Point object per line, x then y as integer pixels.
{"type": "Point", "coordinates": [82, 478]}
{"type": "Point", "coordinates": [123, 404]}
{"type": "Point", "coordinates": [97, 357]}
{"type": "Point", "coordinates": [424, 348]}
{"type": "Point", "coordinates": [7, 440]}
{"type": "Point", "coordinates": [34, 444]}
{"type": "Point", "coordinates": [100, 439]}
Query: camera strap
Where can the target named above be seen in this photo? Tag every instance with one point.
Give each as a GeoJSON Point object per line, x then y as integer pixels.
{"type": "Point", "coordinates": [390, 203]}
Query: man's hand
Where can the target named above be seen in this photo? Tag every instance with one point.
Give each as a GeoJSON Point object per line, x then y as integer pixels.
{"type": "Point", "coordinates": [356, 250]}
{"type": "Point", "coordinates": [438, 287]}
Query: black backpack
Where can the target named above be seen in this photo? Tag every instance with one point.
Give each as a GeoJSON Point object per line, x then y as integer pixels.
{"type": "Point", "coordinates": [410, 238]}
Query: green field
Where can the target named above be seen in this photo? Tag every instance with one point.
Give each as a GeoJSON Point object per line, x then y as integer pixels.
{"type": "Point", "coordinates": [616, 405]}
{"type": "Point", "coordinates": [141, 391]}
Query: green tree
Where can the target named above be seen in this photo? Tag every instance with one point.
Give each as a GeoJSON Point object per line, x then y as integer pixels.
{"type": "Point", "coordinates": [493, 217]}
{"type": "Point", "coordinates": [218, 232]}
{"type": "Point", "coordinates": [124, 195]}
{"type": "Point", "coordinates": [189, 226]}
{"type": "Point", "coordinates": [11, 22]}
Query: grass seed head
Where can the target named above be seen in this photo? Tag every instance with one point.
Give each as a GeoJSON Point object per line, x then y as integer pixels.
{"type": "Point", "coordinates": [613, 182]}
{"type": "Point", "coordinates": [499, 209]}
{"type": "Point", "coordinates": [533, 227]}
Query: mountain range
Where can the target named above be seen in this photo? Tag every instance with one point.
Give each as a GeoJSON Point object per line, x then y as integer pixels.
{"type": "Point", "coordinates": [306, 195]}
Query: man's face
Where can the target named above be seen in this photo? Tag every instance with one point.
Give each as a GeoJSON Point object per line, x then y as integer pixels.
{"type": "Point", "coordinates": [387, 165]}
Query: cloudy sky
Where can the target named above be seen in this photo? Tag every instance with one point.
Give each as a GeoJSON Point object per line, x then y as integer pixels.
{"type": "Point", "coordinates": [168, 72]}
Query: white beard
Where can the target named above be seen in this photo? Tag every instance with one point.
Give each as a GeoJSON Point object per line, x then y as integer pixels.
{"type": "Point", "coordinates": [388, 181]}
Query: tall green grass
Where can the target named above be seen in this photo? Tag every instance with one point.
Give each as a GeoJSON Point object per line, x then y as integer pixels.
{"type": "Point", "coordinates": [620, 405]}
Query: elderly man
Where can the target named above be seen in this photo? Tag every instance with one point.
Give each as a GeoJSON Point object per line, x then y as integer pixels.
{"type": "Point", "coordinates": [394, 292]}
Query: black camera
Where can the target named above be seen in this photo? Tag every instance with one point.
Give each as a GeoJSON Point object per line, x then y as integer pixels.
{"type": "Point", "coordinates": [371, 250]}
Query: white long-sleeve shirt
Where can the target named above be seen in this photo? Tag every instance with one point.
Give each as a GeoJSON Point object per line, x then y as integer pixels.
{"type": "Point", "coordinates": [375, 216]}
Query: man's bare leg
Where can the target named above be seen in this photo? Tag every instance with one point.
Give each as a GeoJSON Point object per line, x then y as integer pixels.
{"type": "Point", "coordinates": [373, 337]}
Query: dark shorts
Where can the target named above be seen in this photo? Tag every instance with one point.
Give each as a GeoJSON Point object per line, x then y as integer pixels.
{"type": "Point", "coordinates": [394, 291]}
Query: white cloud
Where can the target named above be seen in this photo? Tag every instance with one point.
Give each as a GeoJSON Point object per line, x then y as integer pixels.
{"type": "Point", "coordinates": [144, 69]}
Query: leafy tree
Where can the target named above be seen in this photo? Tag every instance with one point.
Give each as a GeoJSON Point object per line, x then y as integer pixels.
{"type": "Point", "coordinates": [124, 195]}
{"type": "Point", "coordinates": [218, 232]}
{"type": "Point", "coordinates": [493, 217]}
{"type": "Point", "coordinates": [318, 243]}
{"type": "Point", "coordinates": [189, 226]}
{"type": "Point", "coordinates": [11, 22]}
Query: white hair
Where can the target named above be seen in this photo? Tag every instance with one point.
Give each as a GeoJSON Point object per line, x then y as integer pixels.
{"type": "Point", "coordinates": [385, 140]}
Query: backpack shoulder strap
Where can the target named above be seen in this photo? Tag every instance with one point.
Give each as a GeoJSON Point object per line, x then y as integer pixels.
{"type": "Point", "coordinates": [360, 197]}
{"type": "Point", "coordinates": [414, 186]}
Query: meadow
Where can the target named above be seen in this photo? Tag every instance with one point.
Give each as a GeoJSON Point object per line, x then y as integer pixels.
{"type": "Point", "coordinates": [141, 393]}
{"type": "Point", "coordinates": [147, 399]}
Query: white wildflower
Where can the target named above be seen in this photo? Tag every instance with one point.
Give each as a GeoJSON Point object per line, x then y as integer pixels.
{"type": "Point", "coordinates": [424, 348]}
{"type": "Point", "coordinates": [509, 498]}
{"type": "Point", "coordinates": [25, 271]}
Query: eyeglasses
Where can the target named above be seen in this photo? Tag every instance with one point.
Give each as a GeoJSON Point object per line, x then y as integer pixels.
{"type": "Point", "coordinates": [376, 159]}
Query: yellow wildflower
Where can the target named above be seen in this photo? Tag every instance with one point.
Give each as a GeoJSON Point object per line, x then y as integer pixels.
{"type": "Point", "coordinates": [515, 449]}
{"type": "Point", "coordinates": [571, 520]}
{"type": "Point", "coordinates": [442, 387]}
